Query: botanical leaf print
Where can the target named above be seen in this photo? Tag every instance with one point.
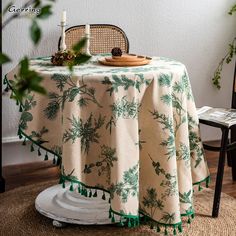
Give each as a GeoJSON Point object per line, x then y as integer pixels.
{"type": "Point", "coordinates": [189, 211]}
{"type": "Point", "coordinates": [185, 197]}
{"type": "Point", "coordinates": [70, 175]}
{"type": "Point", "coordinates": [103, 166]}
{"type": "Point", "coordinates": [178, 87]}
{"type": "Point", "coordinates": [165, 79]}
{"type": "Point", "coordinates": [180, 116]}
{"type": "Point", "coordinates": [129, 186]}
{"type": "Point", "coordinates": [195, 142]}
{"type": "Point", "coordinates": [125, 82]}
{"type": "Point", "coordinates": [125, 109]}
{"type": "Point", "coordinates": [167, 125]}
{"type": "Point", "coordinates": [168, 218]}
{"type": "Point", "coordinates": [140, 142]}
{"type": "Point", "coordinates": [166, 121]}
{"type": "Point", "coordinates": [26, 116]}
{"type": "Point", "coordinates": [177, 104]}
{"type": "Point", "coordinates": [169, 143]}
{"type": "Point", "coordinates": [38, 136]}
{"type": "Point", "coordinates": [57, 150]}
{"type": "Point", "coordinates": [122, 108]}
{"type": "Point", "coordinates": [170, 181]}
{"type": "Point", "coordinates": [111, 123]}
{"type": "Point", "coordinates": [151, 203]}
{"type": "Point", "coordinates": [183, 153]}
{"type": "Point", "coordinates": [87, 131]}
{"type": "Point", "coordinates": [57, 101]}
{"type": "Point", "coordinates": [53, 106]}
{"type": "Point", "coordinates": [60, 80]}
{"type": "Point", "coordinates": [166, 99]}
{"type": "Point", "coordinates": [187, 87]}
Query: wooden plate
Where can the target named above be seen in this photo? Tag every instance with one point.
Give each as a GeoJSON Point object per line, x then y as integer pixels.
{"type": "Point", "coordinates": [125, 57]}
{"type": "Point", "coordinates": [125, 60]}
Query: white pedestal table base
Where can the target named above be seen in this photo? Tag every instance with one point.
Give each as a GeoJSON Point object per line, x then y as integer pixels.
{"type": "Point", "coordinates": [64, 206]}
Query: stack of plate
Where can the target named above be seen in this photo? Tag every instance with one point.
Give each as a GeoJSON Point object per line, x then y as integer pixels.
{"type": "Point", "coordinates": [125, 60]}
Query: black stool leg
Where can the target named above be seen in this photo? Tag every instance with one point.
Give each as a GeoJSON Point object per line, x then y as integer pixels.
{"type": "Point", "coordinates": [2, 184]}
{"type": "Point", "coordinates": [233, 153]}
{"type": "Point", "coordinates": [2, 180]}
{"type": "Point", "coordinates": [220, 172]}
{"type": "Point", "coordinates": [229, 157]}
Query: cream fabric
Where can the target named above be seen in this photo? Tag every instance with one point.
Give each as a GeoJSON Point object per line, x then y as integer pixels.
{"type": "Point", "coordinates": [131, 131]}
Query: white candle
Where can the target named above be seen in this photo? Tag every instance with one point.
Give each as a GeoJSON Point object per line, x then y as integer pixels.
{"type": "Point", "coordinates": [63, 17]}
{"type": "Point", "coordinates": [87, 29]}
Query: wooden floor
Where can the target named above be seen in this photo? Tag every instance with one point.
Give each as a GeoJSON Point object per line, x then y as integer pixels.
{"type": "Point", "coordinates": [20, 175]}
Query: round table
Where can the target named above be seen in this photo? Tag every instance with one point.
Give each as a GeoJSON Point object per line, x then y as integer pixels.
{"type": "Point", "coordinates": [126, 135]}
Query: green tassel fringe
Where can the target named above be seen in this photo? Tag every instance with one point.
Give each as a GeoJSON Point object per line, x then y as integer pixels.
{"type": "Point", "coordinates": [180, 228]}
{"type": "Point", "coordinates": [6, 89]}
{"type": "Point", "coordinates": [39, 153]}
{"type": "Point", "coordinates": [79, 190]}
{"type": "Point", "coordinates": [71, 187]}
{"type": "Point", "coordinates": [85, 192]}
{"type": "Point", "coordinates": [19, 134]}
{"type": "Point", "coordinates": [189, 220]}
{"type": "Point", "coordinates": [110, 212]}
{"type": "Point", "coordinates": [82, 190]}
{"type": "Point", "coordinates": [121, 222]}
{"type": "Point", "coordinates": [113, 219]}
{"type": "Point", "coordinates": [46, 157]}
{"type": "Point", "coordinates": [104, 196]}
{"type": "Point", "coordinates": [24, 142]}
{"type": "Point", "coordinates": [58, 161]}
{"type": "Point", "coordinates": [192, 216]}
{"type": "Point", "coordinates": [174, 232]}
{"type": "Point", "coordinates": [158, 229]}
{"type": "Point", "coordinates": [95, 194]}
{"type": "Point", "coordinates": [61, 180]}
{"type": "Point", "coordinates": [145, 219]}
{"type": "Point", "coordinates": [20, 109]}
{"type": "Point", "coordinates": [199, 187]}
{"type": "Point", "coordinates": [54, 160]}
{"type": "Point", "coordinates": [207, 182]}
{"type": "Point", "coordinates": [90, 193]}
{"type": "Point", "coordinates": [32, 147]}
{"type": "Point", "coordinates": [63, 184]}
{"type": "Point", "coordinates": [129, 223]}
{"type": "Point", "coordinates": [166, 233]}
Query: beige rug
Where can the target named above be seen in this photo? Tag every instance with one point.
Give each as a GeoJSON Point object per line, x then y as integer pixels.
{"type": "Point", "coordinates": [18, 217]}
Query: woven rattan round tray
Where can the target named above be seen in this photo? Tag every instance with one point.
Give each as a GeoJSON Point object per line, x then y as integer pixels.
{"type": "Point", "coordinates": [125, 60]}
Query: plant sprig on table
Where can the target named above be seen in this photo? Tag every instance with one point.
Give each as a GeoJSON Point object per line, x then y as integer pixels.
{"type": "Point", "coordinates": [72, 57]}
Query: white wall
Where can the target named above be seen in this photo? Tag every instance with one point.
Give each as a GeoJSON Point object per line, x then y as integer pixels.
{"type": "Point", "coordinates": [194, 32]}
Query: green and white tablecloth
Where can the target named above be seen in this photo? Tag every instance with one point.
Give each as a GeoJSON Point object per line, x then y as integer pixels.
{"type": "Point", "coordinates": [131, 131]}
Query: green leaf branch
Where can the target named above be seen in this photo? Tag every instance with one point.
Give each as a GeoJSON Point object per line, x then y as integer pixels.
{"type": "Point", "coordinates": [232, 10]}
{"type": "Point", "coordinates": [227, 58]}
{"type": "Point", "coordinates": [28, 80]}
